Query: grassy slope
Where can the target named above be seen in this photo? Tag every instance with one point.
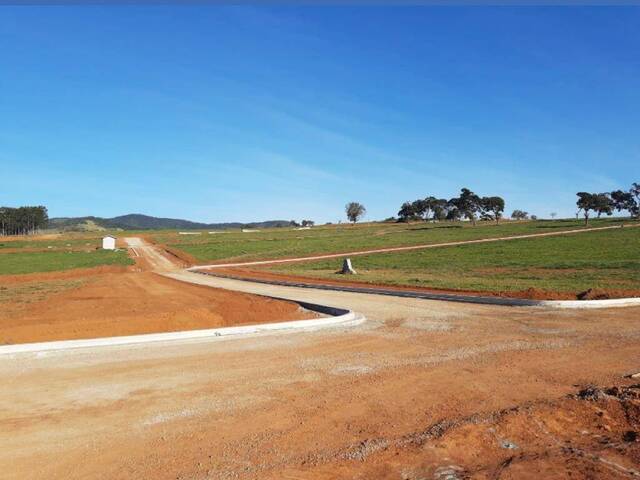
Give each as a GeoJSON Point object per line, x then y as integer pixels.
{"type": "Point", "coordinates": [30, 262]}
{"type": "Point", "coordinates": [58, 244]}
{"type": "Point", "coordinates": [20, 255]}
{"type": "Point", "coordinates": [279, 243]}
{"type": "Point", "coordinates": [573, 263]}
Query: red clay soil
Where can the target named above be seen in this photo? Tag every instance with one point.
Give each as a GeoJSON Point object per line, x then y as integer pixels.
{"type": "Point", "coordinates": [531, 293]}
{"type": "Point", "coordinates": [499, 394]}
{"type": "Point", "coordinates": [75, 273]}
{"type": "Point", "coordinates": [113, 302]}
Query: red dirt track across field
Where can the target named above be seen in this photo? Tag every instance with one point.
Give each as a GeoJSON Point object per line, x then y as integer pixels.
{"type": "Point", "coordinates": [244, 270]}
{"type": "Point", "coordinates": [276, 261]}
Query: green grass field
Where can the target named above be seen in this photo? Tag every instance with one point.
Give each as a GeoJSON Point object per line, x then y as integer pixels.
{"type": "Point", "coordinates": [66, 242]}
{"type": "Point", "coordinates": [607, 260]}
{"type": "Point", "coordinates": [279, 243]}
{"type": "Point", "coordinates": [50, 261]}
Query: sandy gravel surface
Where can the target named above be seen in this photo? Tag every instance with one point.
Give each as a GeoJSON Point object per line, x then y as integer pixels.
{"type": "Point", "coordinates": [423, 390]}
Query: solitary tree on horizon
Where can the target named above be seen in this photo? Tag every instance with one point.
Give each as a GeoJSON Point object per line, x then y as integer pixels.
{"type": "Point", "coordinates": [354, 211]}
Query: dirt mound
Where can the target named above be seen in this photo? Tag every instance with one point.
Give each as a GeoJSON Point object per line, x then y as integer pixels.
{"type": "Point", "coordinates": [538, 294]}
{"type": "Point", "coordinates": [594, 294]}
{"type": "Point", "coordinates": [591, 434]}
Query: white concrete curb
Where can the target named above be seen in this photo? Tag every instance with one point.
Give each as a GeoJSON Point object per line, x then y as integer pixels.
{"type": "Point", "coordinates": [347, 319]}
{"type": "Point", "coordinates": [608, 303]}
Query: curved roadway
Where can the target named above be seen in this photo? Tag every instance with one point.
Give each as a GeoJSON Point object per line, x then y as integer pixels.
{"type": "Point", "coordinates": [424, 387]}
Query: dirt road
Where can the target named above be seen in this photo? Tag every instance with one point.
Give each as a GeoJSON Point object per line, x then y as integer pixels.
{"type": "Point", "coordinates": [423, 390]}
{"type": "Point", "coordinates": [155, 259]}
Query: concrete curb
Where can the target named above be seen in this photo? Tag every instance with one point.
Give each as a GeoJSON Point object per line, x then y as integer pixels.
{"type": "Point", "coordinates": [339, 318]}
{"type": "Point", "coordinates": [608, 303]}
{"type": "Point", "coordinates": [449, 297]}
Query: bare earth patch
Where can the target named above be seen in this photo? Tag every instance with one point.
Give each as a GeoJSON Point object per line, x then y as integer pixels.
{"type": "Point", "coordinates": [104, 303]}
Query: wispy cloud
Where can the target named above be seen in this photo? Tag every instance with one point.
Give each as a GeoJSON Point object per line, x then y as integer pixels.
{"type": "Point", "coordinates": [275, 162]}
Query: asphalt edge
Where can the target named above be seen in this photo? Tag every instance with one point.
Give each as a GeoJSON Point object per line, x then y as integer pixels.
{"type": "Point", "coordinates": [500, 301]}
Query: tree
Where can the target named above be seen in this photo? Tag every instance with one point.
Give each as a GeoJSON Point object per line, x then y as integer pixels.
{"type": "Point", "coordinates": [519, 215]}
{"type": "Point", "coordinates": [23, 220]}
{"type": "Point", "coordinates": [603, 204]}
{"type": "Point", "coordinates": [308, 223]}
{"type": "Point", "coordinates": [407, 212]}
{"type": "Point", "coordinates": [440, 207]}
{"type": "Point", "coordinates": [586, 202]}
{"type": "Point", "coordinates": [635, 191]}
{"type": "Point", "coordinates": [430, 205]}
{"type": "Point", "coordinates": [629, 201]}
{"type": "Point", "coordinates": [492, 208]}
{"type": "Point", "coordinates": [429, 208]}
{"type": "Point", "coordinates": [453, 214]}
{"type": "Point", "coordinates": [534, 217]}
{"type": "Point", "coordinates": [468, 204]}
{"type": "Point", "coordinates": [553, 215]}
{"type": "Point", "coordinates": [420, 208]}
{"type": "Point", "coordinates": [623, 201]}
{"type": "Point", "coordinates": [354, 211]}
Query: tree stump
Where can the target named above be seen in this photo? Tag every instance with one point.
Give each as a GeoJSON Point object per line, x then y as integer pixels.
{"type": "Point", "coordinates": [347, 269]}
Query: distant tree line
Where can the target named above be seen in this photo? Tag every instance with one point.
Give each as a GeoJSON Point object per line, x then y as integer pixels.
{"type": "Point", "coordinates": [303, 223]}
{"type": "Point", "coordinates": [467, 205]}
{"type": "Point", "coordinates": [605, 203]}
{"type": "Point", "coordinates": [22, 220]}
{"type": "Point", "coordinates": [520, 215]}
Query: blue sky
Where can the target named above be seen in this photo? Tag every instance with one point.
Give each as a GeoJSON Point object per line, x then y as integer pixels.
{"type": "Point", "coordinates": [217, 113]}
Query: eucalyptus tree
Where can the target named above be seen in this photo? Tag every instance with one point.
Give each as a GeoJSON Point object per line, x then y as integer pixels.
{"type": "Point", "coordinates": [492, 208]}
{"type": "Point", "coordinates": [468, 204]}
{"type": "Point", "coordinates": [354, 211]}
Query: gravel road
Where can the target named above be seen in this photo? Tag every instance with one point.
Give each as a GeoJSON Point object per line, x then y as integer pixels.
{"type": "Point", "coordinates": [422, 390]}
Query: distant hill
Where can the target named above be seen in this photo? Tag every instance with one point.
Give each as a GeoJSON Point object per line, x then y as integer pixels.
{"type": "Point", "coordinates": [136, 221]}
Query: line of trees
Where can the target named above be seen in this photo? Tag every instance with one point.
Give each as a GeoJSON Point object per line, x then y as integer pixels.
{"type": "Point", "coordinates": [467, 205]}
{"type": "Point", "coordinates": [605, 203]}
{"type": "Point", "coordinates": [23, 220]}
